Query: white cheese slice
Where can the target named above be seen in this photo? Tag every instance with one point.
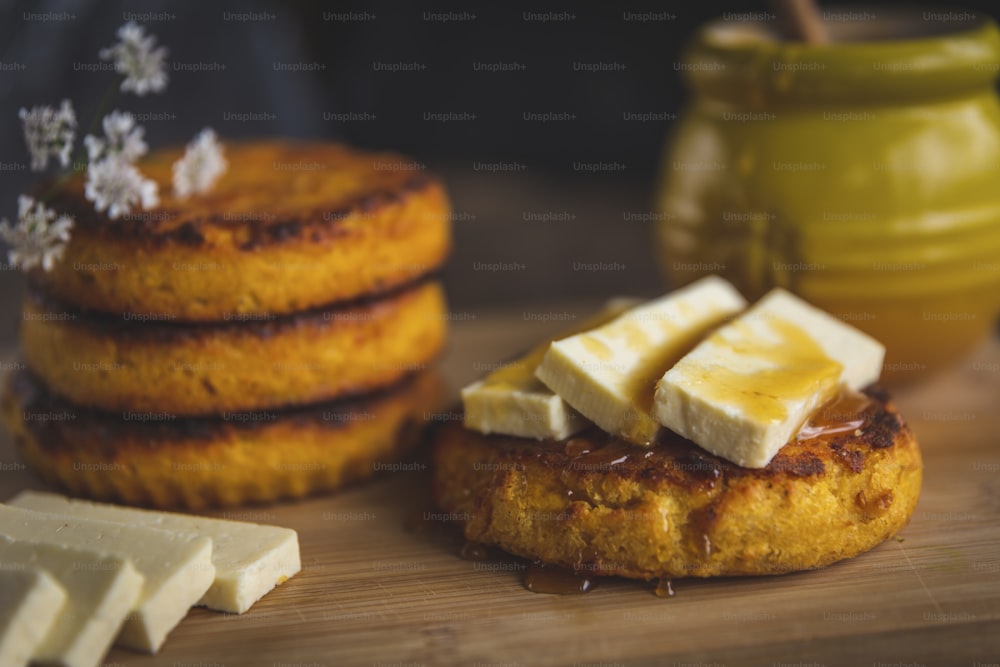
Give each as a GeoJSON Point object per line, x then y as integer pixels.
{"type": "Point", "coordinates": [746, 390]}
{"type": "Point", "coordinates": [99, 592]}
{"type": "Point", "coordinates": [512, 401]}
{"type": "Point", "coordinates": [30, 601]}
{"type": "Point", "coordinates": [249, 559]}
{"type": "Point", "coordinates": [609, 373]}
{"type": "Point", "coordinates": [177, 568]}
{"type": "Point", "coordinates": [525, 409]}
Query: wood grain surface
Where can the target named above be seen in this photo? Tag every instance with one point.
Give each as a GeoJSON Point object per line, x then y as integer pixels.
{"type": "Point", "coordinates": [373, 593]}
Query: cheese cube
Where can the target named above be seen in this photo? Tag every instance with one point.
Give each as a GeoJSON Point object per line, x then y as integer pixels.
{"type": "Point", "coordinates": [99, 592]}
{"type": "Point", "coordinates": [747, 389]}
{"type": "Point", "coordinates": [177, 568]}
{"type": "Point", "coordinates": [249, 559]}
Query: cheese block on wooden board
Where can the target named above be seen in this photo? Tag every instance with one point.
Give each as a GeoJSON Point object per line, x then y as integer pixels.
{"type": "Point", "coordinates": [177, 568]}
{"type": "Point", "coordinates": [250, 559]}
{"type": "Point", "coordinates": [100, 590]}
{"type": "Point", "coordinates": [30, 601]}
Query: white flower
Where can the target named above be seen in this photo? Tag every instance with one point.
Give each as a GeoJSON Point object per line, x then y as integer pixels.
{"type": "Point", "coordinates": [49, 133]}
{"type": "Point", "coordinates": [39, 237]}
{"type": "Point", "coordinates": [123, 139]}
{"type": "Point", "coordinates": [201, 166]}
{"type": "Point", "coordinates": [139, 59]}
{"type": "Point", "coordinates": [116, 186]}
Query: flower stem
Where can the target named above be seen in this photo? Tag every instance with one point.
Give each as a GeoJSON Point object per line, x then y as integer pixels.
{"type": "Point", "coordinates": [102, 108]}
{"type": "Point", "coordinates": [109, 96]}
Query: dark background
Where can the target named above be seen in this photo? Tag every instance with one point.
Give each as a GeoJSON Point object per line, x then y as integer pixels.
{"type": "Point", "coordinates": [343, 53]}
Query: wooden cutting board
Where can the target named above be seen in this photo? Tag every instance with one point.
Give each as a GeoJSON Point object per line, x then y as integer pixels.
{"type": "Point", "coordinates": [372, 593]}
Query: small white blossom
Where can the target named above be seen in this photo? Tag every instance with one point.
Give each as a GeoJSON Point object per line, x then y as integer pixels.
{"type": "Point", "coordinates": [39, 237]}
{"type": "Point", "coordinates": [201, 166]}
{"type": "Point", "coordinates": [139, 59]}
{"type": "Point", "coordinates": [123, 139]}
{"type": "Point", "coordinates": [116, 186]}
{"type": "Point", "coordinates": [49, 133]}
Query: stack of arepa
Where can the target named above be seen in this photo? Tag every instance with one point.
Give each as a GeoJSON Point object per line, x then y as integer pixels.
{"type": "Point", "coordinates": [267, 340]}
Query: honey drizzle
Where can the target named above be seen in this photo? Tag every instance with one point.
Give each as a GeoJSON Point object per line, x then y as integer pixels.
{"type": "Point", "coordinates": [847, 412]}
{"type": "Point", "coordinates": [575, 447]}
{"type": "Point", "coordinates": [554, 580]}
{"type": "Point", "coordinates": [800, 368]}
{"type": "Point", "coordinates": [664, 589]}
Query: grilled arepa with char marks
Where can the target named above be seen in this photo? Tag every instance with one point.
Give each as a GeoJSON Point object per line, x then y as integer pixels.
{"type": "Point", "coordinates": [598, 504]}
{"type": "Point", "coordinates": [233, 459]}
{"type": "Point", "coordinates": [197, 369]}
{"type": "Point", "coordinates": [290, 226]}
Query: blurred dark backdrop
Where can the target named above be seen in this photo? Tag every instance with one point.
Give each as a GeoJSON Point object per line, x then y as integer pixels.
{"type": "Point", "coordinates": [232, 68]}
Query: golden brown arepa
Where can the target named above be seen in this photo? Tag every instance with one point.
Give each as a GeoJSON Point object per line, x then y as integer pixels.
{"type": "Point", "coordinates": [600, 505]}
{"type": "Point", "coordinates": [265, 340]}
{"type": "Point", "coordinates": [158, 460]}
{"type": "Point", "coordinates": [289, 227]}
{"type": "Point", "coordinates": [118, 365]}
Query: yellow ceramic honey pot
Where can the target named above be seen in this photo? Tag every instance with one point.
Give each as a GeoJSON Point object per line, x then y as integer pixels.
{"type": "Point", "coordinates": [863, 174]}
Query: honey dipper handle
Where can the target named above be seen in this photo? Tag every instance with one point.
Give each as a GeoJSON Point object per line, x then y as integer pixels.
{"type": "Point", "coordinates": [802, 21]}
